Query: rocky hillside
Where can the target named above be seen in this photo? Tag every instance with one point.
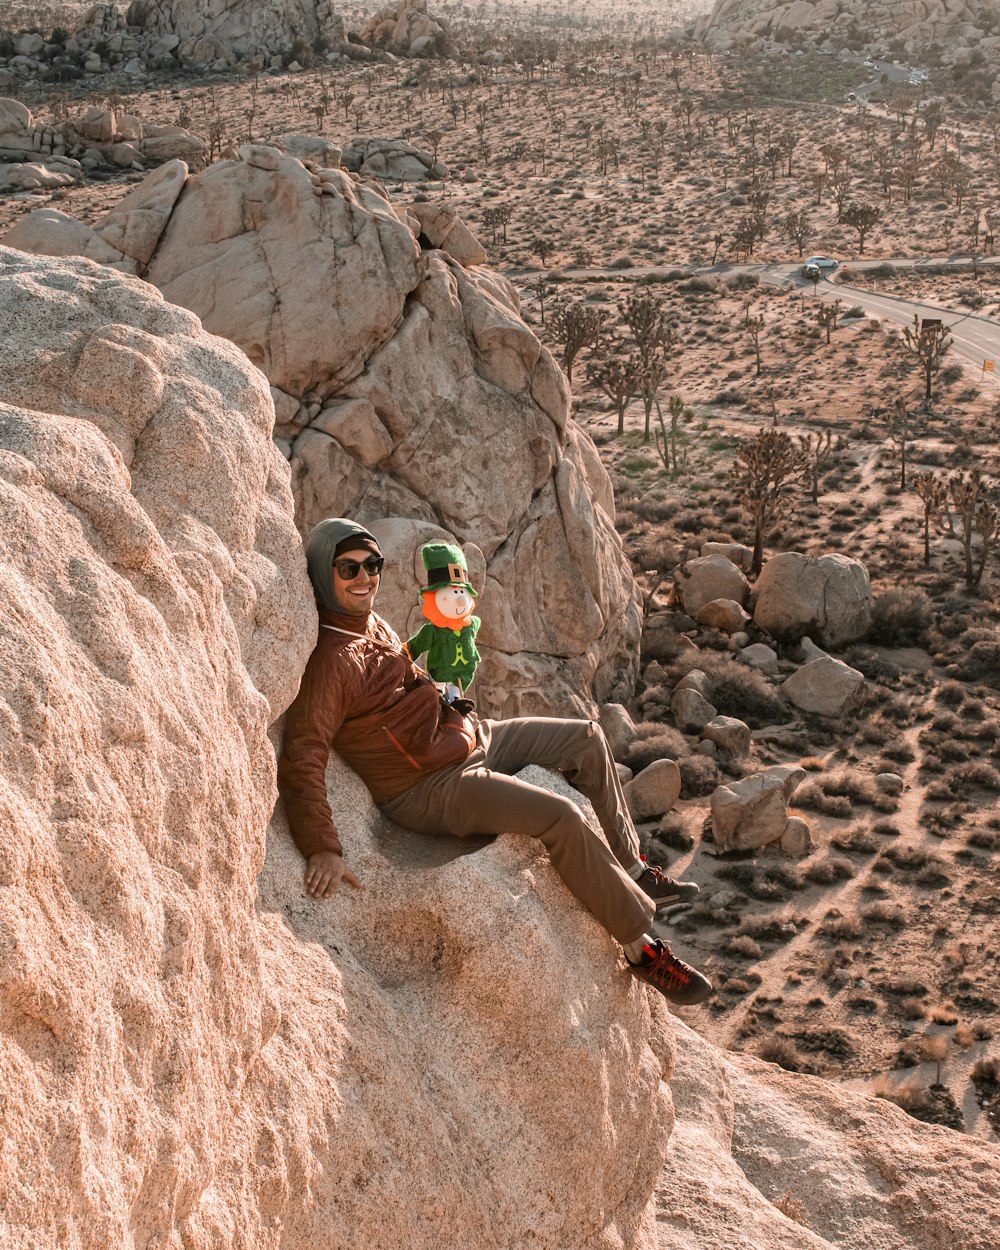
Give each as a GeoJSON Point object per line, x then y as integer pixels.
{"type": "Point", "coordinates": [408, 391]}
{"type": "Point", "coordinates": [953, 31]}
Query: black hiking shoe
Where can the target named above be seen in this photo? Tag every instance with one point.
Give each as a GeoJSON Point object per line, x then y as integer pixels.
{"type": "Point", "coordinates": [677, 981]}
{"type": "Point", "coordinates": [663, 891]}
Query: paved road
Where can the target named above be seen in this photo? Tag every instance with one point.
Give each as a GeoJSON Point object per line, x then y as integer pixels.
{"type": "Point", "coordinates": [975, 337]}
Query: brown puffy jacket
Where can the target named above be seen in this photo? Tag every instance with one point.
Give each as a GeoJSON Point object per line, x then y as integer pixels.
{"type": "Point", "coordinates": [362, 696]}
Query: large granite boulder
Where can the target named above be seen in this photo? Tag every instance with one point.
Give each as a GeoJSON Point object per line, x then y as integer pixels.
{"type": "Point", "coordinates": [753, 812]}
{"type": "Point", "coordinates": [828, 597]}
{"type": "Point", "coordinates": [708, 578]}
{"type": "Point", "coordinates": [408, 388]}
{"type": "Point", "coordinates": [406, 29]}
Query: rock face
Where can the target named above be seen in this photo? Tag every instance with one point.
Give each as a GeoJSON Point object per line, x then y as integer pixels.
{"type": "Point", "coordinates": [868, 1175]}
{"type": "Point", "coordinates": [409, 394]}
{"type": "Point", "coordinates": [235, 1068]}
{"type": "Point", "coordinates": [828, 597]}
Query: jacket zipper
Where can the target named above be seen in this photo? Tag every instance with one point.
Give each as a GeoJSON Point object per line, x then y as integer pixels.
{"type": "Point", "coordinates": [399, 746]}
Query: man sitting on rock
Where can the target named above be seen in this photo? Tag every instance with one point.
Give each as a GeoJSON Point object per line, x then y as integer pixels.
{"type": "Point", "coordinates": [432, 770]}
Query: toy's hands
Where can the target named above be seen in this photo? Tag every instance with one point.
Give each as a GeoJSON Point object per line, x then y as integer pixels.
{"type": "Point", "coordinates": [325, 871]}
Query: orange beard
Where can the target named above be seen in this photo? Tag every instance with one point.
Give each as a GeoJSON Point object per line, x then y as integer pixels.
{"type": "Point", "coordinates": [436, 617]}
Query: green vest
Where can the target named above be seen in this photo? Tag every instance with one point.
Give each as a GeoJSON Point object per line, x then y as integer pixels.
{"type": "Point", "coordinates": [451, 653]}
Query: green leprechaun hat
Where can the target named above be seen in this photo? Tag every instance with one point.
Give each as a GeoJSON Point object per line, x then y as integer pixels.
{"type": "Point", "coordinates": [445, 566]}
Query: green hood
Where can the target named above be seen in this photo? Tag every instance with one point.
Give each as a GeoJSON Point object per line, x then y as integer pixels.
{"type": "Point", "coordinates": [321, 548]}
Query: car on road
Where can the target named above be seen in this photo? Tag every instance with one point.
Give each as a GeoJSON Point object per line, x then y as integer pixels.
{"type": "Point", "coordinates": [822, 262]}
{"type": "Point", "coordinates": [812, 272]}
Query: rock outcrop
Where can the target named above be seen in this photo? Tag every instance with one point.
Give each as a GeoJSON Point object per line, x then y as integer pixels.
{"type": "Point", "coordinates": [829, 597]}
{"type": "Point", "coordinates": [406, 29]}
{"type": "Point", "coordinates": [409, 393]}
{"type": "Point", "coordinates": [184, 1059]}
{"type": "Point", "coordinates": [953, 27]}
{"type": "Point", "coordinates": [69, 150]}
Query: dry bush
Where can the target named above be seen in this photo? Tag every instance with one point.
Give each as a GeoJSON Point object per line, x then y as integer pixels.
{"type": "Point", "coordinates": [901, 616]}
{"type": "Point", "coordinates": [840, 928]}
{"type": "Point", "coordinates": [792, 1208]}
{"type": "Point", "coordinates": [911, 1096]}
{"type": "Point", "coordinates": [857, 840]}
{"type": "Point", "coordinates": [782, 1051]}
{"type": "Point", "coordinates": [744, 947]}
{"type": "Point", "coordinates": [826, 871]}
{"type": "Point", "coordinates": [890, 914]}
{"type": "Point", "coordinates": [741, 691]}
{"type": "Point", "coordinates": [655, 742]}
{"type": "Point", "coordinates": [699, 776]}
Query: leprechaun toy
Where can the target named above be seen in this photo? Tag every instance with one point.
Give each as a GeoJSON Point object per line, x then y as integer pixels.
{"type": "Point", "coordinates": [449, 637]}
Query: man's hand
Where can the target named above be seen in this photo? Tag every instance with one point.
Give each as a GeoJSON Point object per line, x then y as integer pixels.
{"type": "Point", "coordinates": [325, 871]}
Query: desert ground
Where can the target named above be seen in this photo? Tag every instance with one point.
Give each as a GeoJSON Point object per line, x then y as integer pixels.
{"type": "Point", "coordinates": [610, 149]}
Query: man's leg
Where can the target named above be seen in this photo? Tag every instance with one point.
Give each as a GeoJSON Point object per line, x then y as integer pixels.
{"type": "Point", "coordinates": [473, 799]}
{"type": "Point", "coordinates": [578, 750]}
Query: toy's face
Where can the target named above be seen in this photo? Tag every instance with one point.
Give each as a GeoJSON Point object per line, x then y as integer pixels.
{"type": "Point", "coordinates": [454, 602]}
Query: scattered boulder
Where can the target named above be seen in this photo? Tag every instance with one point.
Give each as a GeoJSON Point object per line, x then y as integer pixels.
{"type": "Point", "coordinates": [762, 657]}
{"type": "Point", "coordinates": [825, 687]}
{"type": "Point", "coordinates": [889, 783]}
{"type": "Point", "coordinates": [707, 578]}
{"type": "Point", "coordinates": [654, 791]}
{"type": "Point", "coordinates": [619, 728]}
{"type": "Point", "coordinates": [797, 840]}
{"type": "Point", "coordinates": [724, 614]}
{"type": "Point", "coordinates": [740, 555]}
{"type": "Point", "coordinates": [391, 160]}
{"type": "Point", "coordinates": [691, 711]}
{"type": "Point", "coordinates": [311, 148]}
{"type": "Point", "coordinates": [828, 597]}
{"type": "Point", "coordinates": [729, 734]}
{"type": "Point", "coordinates": [753, 812]}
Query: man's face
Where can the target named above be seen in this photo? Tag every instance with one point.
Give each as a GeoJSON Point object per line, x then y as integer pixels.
{"type": "Point", "coordinates": [354, 595]}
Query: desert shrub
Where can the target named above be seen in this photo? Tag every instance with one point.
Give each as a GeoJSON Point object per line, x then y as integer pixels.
{"type": "Point", "coordinates": [743, 946]}
{"type": "Point", "coordinates": [950, 693]}
{"type": "Point", "coordinates": [655, 742]}
{"type": "Point", "coordinates": [889, 914]}
{"type": "Point", "coordinates": [975, 773]}
{"type": "Point", "coordinates": [699, 776]}
{"type": "Point", "coordinates": [901, 616]}
{"type": "Point", "coordinates": [904, 986]}
{"type": "Point", "coordinates": [743, 282]}
{"type": "Point", "coordinates": [840, 928]}
{"type": "Point", "coordinates": [782, 1051]}
{"type": "Point", "coordinates": [770, 928]}
{"type": "Point", "coordinates": [857, 840]}
{"type": "Point", "coordinates": [981, 662]}
{"type": "Point", "coordinates": [813, 798]}
{"type": "Point", "coordinates": [741, 691]}
{"type": "Point", "coordinates": [986, 1072]}
{"type": "Point", "coordinates": [826, 871]}
{"type": "Point", "coordinates": [910, 1096]}
{"type": "Point", "coordinates": [910, 1009]}
{"type": "Point", "coordinates": [622, 262]}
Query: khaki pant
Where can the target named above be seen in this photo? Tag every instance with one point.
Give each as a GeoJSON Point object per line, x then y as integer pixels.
{"type": "Point", "coordinates": [479, 796]}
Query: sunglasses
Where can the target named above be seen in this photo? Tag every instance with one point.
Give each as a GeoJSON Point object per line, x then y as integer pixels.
{"type": "Point", "coordinates": [349, 569]}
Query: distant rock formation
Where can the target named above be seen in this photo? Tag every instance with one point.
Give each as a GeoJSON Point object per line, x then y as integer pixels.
{"type": "Point", "coordinates": [954, 29]}
{"type": "Point", "coordinates": [61, 154]}
{"type": "Point", "coordinates": [406, 29]}
{"type": "Point", "coordinates": [408, 392]}
{"type": "Point", "coordinates": [201, 32]}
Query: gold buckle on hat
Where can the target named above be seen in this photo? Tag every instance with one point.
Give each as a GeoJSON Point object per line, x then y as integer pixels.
{"type": "Point", "coordinates": [456, 573]}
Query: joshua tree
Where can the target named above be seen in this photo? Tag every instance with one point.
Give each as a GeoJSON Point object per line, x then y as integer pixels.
{"type": "Point", "coordinates": [543, 248]}
{"type": "Point", "coordinates": [766, 469]}
{"type": "Point", "coordinates": [931, 493]}
{"type": "Point", "coordinates": [575, 326]}
{"type": "Point", "coordinates": [899, 432]}
{"type": "Point", "coordinates": [754, 325]}
{"type": "Point", "coordinates": [654, 337]}
{"type": "Point", "coordinates": [975, 507]}
{"type": "Point", "coordinates": [827, 315]}
{"type": "Point", "coordinates": [818, 448]}
{"type": "Point", "coordinates": [798, 229]}
{"type": "Point", "coordinates": [928, 340]}
{"type": "Point", "coordinates": [861, 217]}
{"type": "Point", "coordinates": [620, 378]}
{"type": "Point", "coordinates": [666, 442]}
